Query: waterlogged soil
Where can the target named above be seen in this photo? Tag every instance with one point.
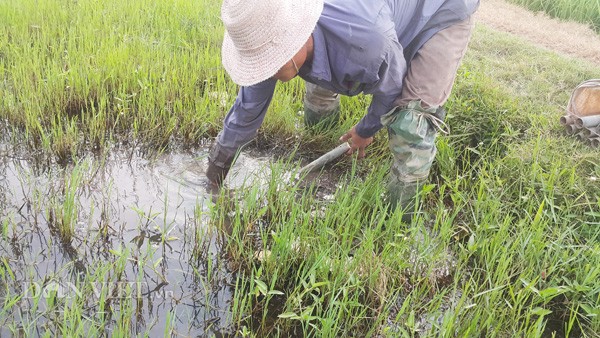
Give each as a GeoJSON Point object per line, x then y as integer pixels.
{"type": "Point", "coordinates": [155, 213]}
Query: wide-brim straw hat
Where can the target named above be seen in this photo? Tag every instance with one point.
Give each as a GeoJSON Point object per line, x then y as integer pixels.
{"type": "Point", "coordinates": [262, 35]}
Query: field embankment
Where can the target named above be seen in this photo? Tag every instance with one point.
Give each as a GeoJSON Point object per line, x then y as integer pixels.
{"type": "Point", "coordinates": [583, 11]}
{"type": "Point", "coordinates": [568, 38]}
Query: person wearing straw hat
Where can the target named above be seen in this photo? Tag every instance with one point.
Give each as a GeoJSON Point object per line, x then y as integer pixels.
{"type": "Point", "coordinates": [405, 53]}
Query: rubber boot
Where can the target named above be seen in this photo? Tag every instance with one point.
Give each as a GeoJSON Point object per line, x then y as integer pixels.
{"type": "Point", "coordinates": [219, 163]}
{"type": "Point", "coordinates": [403, 195]}
{"type": "Point", "coordinates": [321, 121]}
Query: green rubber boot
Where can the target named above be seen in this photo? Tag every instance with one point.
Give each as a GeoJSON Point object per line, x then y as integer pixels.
{"type": "Point", "coordinates": [403, 195]}
{"type": "Point", "coordinates": [321, 121]}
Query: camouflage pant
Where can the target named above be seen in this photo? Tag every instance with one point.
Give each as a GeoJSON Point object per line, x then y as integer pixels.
{"type": "Point", "coordinates": [321, 106]}
{"type": "Point", "coordinates": [320, 100]}
{"type": "Point", "coordinates": [411, 132]}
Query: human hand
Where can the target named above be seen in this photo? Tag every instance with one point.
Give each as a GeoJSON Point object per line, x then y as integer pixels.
{"type": "Point", "coordinates": [357, 142]}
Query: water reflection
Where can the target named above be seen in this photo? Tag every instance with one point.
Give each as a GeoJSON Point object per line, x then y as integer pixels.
{"type": "Point", "coordinates": [141, 241]}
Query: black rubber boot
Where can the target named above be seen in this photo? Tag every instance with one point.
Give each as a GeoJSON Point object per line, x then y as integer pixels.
{"type": "Point", "coordinates": [219, 163]}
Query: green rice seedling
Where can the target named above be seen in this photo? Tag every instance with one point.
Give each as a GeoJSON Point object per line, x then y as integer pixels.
{"type": "Point", "coordinates": [282, 235]}
{"type": "Point", "coordinates": [68, 213]}
{"type": "Point", "coordinates": [5, 226]}
{"type": "Point", "coordinates": [169, 325]}
{"type": "Point", "coordinates": [7, 277]}
{"type": "Point", "coordinates": [63, 214]}
{"type": "Point", "coordinates": [97, 84]}
{"type": "Point", "coordinates": [241, 307]}
{"type": "Point", "coordinates": [523, 254]}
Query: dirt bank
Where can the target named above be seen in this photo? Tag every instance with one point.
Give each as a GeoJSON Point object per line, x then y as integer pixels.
{"type": "Point", "coordinates": [568, 38]}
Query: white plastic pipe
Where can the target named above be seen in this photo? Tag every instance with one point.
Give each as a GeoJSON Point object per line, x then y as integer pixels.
{"type": "Point", "coordinates": [326, 158]}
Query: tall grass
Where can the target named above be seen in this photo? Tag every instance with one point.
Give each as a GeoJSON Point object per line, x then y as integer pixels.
{"type": "Point", "coordinates": [584, 11]}
{"type": "Point", "coordinates": [506, 244]}
{"type": "Point", "coordinates": [76, 74]}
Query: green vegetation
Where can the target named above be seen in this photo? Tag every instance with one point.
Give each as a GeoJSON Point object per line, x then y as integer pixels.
{"type": "Point", "coordinates": [75, 75]}
{"type": "Point", "coordinates": [584, 11]}
{"type": "Point", "coordinates": [508, 245]}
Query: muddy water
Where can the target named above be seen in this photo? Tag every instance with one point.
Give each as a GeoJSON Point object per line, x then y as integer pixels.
{"type": "Point", "coordinates": [156, 212]}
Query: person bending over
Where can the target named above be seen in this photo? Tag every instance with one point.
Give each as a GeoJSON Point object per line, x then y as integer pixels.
{"type": "Point", "coordinates": [405, 53]}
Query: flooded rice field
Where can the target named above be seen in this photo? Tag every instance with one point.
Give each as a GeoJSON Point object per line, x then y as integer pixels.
{"type": "Point", "coordinates": [117, 237]}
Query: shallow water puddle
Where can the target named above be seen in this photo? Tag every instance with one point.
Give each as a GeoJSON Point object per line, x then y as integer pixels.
{"type": "Point", "coordinates": [141, 239]}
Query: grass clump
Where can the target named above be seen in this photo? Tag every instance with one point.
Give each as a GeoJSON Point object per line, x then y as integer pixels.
{"type": "Point", "coordinates": [76, 75]}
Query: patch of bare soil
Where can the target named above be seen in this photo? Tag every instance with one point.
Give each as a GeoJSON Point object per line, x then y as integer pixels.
{"type": "Point", "coordinates": [567, 38]}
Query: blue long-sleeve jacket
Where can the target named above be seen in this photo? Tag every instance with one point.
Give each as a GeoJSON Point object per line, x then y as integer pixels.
{"type": "Point", "coordinates": [359, 47]}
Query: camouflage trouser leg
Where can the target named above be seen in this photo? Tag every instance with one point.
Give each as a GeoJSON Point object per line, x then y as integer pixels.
{"type": "Point", "coordinates": [321, 106]}
{"type": "Point", "coordinates": [412, 131]}
{"type": "Point", "coordinates": [412, 126]}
